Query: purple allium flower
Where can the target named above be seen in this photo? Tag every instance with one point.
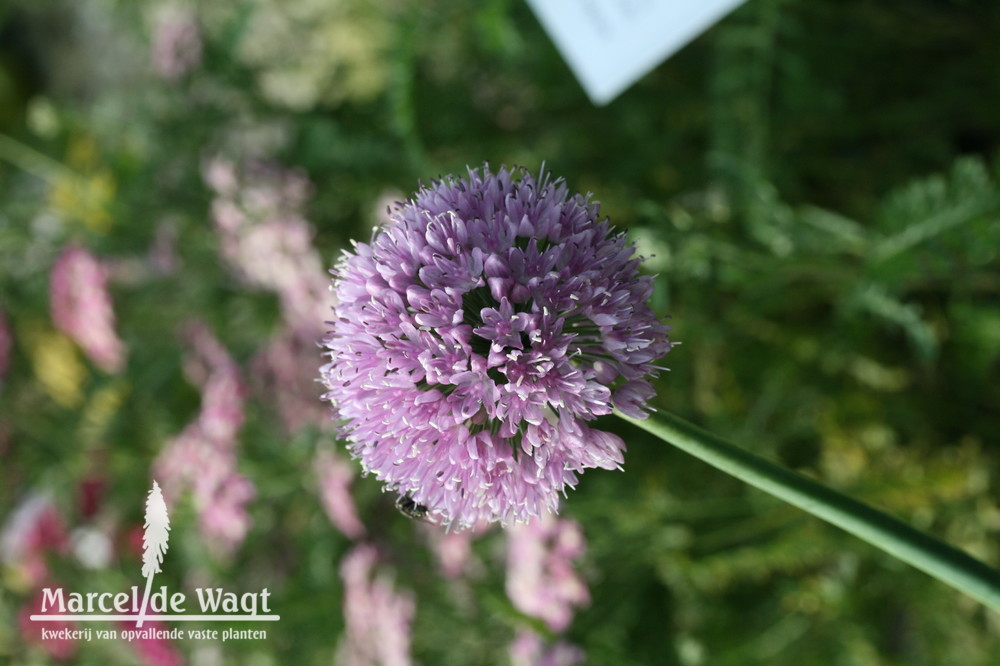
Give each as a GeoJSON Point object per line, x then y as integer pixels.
{"type": "Point", "coordinates": [541, 580]}
{"type": "Point", "coordinates": [81, 307]}
{"type": "Point", "coordinates": [377, 618]}
{"type": "Point", "coordinates": [476, 336]}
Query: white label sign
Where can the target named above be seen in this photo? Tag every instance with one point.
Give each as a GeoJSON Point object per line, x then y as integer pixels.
{"type": "Point", "coordinates": [609, 44]}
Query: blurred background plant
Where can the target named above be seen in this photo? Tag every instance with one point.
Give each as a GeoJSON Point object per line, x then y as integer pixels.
{"type": "Point", "coordinates": [815, 183]}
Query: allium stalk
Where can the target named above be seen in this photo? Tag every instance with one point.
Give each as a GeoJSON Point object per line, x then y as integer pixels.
{"type": "Point", "coordinates": [942, 561]}
{"type": "Point", "coordinates": [477, 336]}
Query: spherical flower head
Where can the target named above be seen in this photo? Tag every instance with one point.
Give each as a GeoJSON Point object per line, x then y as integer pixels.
{"type": "Point", "coordinates": [476, 336]}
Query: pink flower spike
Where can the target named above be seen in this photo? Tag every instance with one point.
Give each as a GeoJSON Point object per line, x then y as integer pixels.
{"type": "Point", "coordinates": [453, 551]}
{"type": "Point", "coordinates": [377, 618]}
{"type": "Point", "coordinates": [334, 476]}
{"type": "Point", "coordinates": [265, 238]}
{"type": "Point", "coordinates": [176, 43]}
{"type": "Point", "coordinates": [202, 457]}
{"type": "Point", "coordinates": [541, 580]}
{"type": "Point", "coordinates": [283, 372]}
{"type": "Point", "coordinates": [81, 307]}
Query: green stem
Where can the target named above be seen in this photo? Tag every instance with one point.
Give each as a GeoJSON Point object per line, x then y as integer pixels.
{"type": "Point", "coordinates": [31, 161]}
{"type": "Point", "coordinates": [947, 564]}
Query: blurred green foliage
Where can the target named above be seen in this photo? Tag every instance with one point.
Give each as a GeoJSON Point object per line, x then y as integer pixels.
{"type": "Point", "coordinates": [815, 185]}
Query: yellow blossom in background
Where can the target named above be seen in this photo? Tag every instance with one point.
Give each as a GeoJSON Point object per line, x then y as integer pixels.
{"type": "Point", "coordinates": [57, 365]}
{"type": "Point", "coordinates": [83, 193]}
{"type": "Point", "coordinates": [99, 410]}
{"type": "Point", "coordinates": [16, 578]}
{"type": "Point", "coordinates": [317, 51]}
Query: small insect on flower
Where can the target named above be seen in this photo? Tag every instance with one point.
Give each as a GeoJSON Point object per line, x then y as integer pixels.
{"type": "Point", "coordinates": [476, 336]}
{"type": "Point", "coordinates": [410, 509]}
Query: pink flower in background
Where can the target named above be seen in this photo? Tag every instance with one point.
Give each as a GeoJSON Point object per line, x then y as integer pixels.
{"type": "Point", "coordinates": [335, 475]}
{"type": "Point", "coordinates": [224, 518]}
{"type": "Point", "coordinates": [32, 531]}
{"type": "Point", "coordinates": [267, 243]}
{"type": "Point", "coordinates": [202, 457]}
{"type": "Point", "coordinates": [222, 401]}
{"type": "Point", "coordinates": [90, 496]}
{"type": "Point", "coordinates": [284, 371]}
{"type": "Point", "coordinates": [541, 581]}
{"type": "Point", "coordinates": [377, 618]}
{"type": "Point", "coordinates": [81, 307]}
{"type": "Point", "coordinates": [208, 357]}
{"type": "Point", "coordinates": [6, 343]}
{"type": "Point", "coordinates": [176, 43]}
{"type": "Point", "coordinates": [154, 651]}
{"type": "Point", "coordinates": [163, 257]}
{"type": "Point", "coordinates": [528, 649]}
{"type": "Point", "coordinates": [220, 175]}
{"type": "Point", "coordinates": [160, 259]}
{"type": "Point", "coordinates": [281, 254]}
{"type": "Point", "coordinates": [266, 239]}
{"type": "Point", "coordinates": [453, 550]}
{"type": "Point", "coordinates": [61, 649]}
{"type": "Point", "coordinates": [130, 543]}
